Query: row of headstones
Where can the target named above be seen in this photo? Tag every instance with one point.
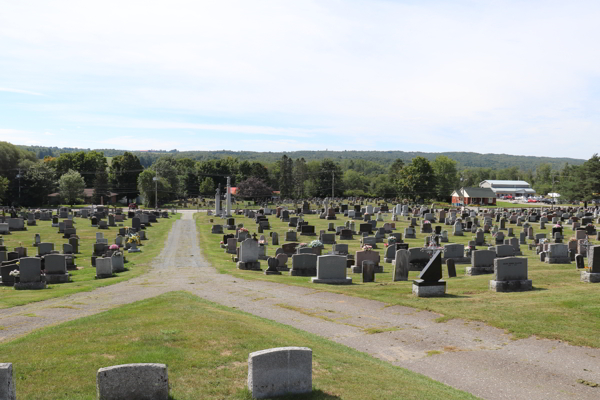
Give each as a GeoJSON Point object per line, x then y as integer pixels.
{"type": "Point", "coordinates": [271, 372]}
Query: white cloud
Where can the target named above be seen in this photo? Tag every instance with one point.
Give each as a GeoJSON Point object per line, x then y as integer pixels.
{"type": "Point", "coordinates": [20, 91]}
{"type": "Point", "coordinates": [459, 75]}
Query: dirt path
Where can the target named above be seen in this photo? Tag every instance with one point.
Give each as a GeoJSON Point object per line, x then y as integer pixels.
{"type": "Point", "coordinates": [467, 355]}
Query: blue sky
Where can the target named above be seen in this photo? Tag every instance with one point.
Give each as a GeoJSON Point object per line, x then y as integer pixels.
{"type": "Point", "coordinates": [485, 76]}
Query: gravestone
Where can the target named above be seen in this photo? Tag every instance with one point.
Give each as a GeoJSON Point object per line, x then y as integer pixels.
{"type": "Point", "coordinates": [409, 233]}
{"type": "Point", "coordinates": [217, 229]}
{"type": "Point", "coordinates": [103, 267]}
{"type": "Point", "coordinates": [401, 265]}
{"type": "Point", "coordinates": [248, 259]}
{"type": "Point", "coordinates": [304, 265]}
{"type": "Point", "coordinates": [510, 275]}
{"type": "Point", "coordinates": [55, 266]}
{"type": "Point", "coordinates": [331, 269]}
{"type": "Point", "coordinates": [558, 253]}
{"type": "Point", "coordinates": [7, 384]}
{"type": "Point", "coordinates": [30, 276]}
{"type": "Point", "coordinates": [451, 267]}
{"type": "Point", "coordinates": [275, 238]}
{"type": "Point", "coordinates": [291, 236]}
{"type": "Point", "coordinates": [133, 381]}
{"type": "Point", "coordinates": [458, 231]}
{"type": "Point", "coordinates": [368, 271]}
{"type": "Point", "coordinates": [482, 262]}
{"type": "Point", "coordinates": [455, 251]}
{"type": "Point", "coordinates": [429, 282]}
{"type": "Point", "coordinates": [280, 371]}
{"type": "Point", "coordinates": [368, 255]}
{"type": "Point", "coordinates": [45, 248]}
{"type": "Point", "coordinates": [390, 253]}
{"type": "Point", "coordinates": [282, 259]}
{"type": "Point", "coordinates": [272, 264]}
{"type": "Point", "coordinates": [592, 272]}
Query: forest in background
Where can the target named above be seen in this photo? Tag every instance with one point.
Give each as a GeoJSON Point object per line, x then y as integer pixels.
{"type": "Point", "coordinates": [385, 158]}
{"type": "Point", "coordinates": [25, 179]}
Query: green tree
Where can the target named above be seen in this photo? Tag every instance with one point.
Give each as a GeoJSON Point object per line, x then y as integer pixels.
{"type": "Point", "coordinates": [300, 174]}
{"type": "Point", "coordinates": [254, 188]}
{"type": "Point", "coordinates": [355, 183]}
{"type": "Point", "coordinates": [416, 181]}
{"type": "Point", "coordinates": [123, 175]}
{"type": "Point", "coordinates": [37, 183]}
{"type": "Point", "coordinates": [71, 185]}
{"type": "Point", "coordinates": [101, 187]}
{"type": "Point", "coordinates": [382, 186]}
{"type": "Point", "coordinates": [329, 175]}
{"type": "Point", "coordinates": [149, 188]}
{"type": "Point", "coordinates": [446, 177]}
{"type": "Point", "coordinates": [207, 187]}
{"type": "Point", "coordinates": [286, 180]}
{"type": "Point", "coordinates": [4, 182]}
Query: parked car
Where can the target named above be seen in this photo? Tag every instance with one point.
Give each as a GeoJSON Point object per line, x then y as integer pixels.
{"type": "Point", "coordinates": [133, 206]}
{"type": "Point", "coordinates": [508, 197]}
{"type": "Point", "coordinates": [531, 200]}
{"type": "Point", "coordinates": [548, 201]}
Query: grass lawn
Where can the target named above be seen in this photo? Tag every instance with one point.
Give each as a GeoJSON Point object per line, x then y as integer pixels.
{"type": "Point", "coordinates": [83, 279]}
{"type": "Point", "coordinates": [205, 347]}
{"type": "Point", "coordinates": [560, 306]}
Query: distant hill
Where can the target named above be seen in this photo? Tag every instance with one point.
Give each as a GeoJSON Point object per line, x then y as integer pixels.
{"type": "Point", "coordinates": [385, 158]}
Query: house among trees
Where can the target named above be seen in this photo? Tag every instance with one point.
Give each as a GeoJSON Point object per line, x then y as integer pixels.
{"type": "Point", "coordinates": [505, 188]}
{"type": "Point", "coordinates": [473, 195]}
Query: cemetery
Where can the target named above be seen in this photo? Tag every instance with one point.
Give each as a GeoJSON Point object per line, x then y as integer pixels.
{"type": "Point", "coordinates": [485, 262]}
{"type": "Point", "coordinates": [65, 252]}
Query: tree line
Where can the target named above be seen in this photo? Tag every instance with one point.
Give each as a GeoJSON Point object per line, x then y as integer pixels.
{"type": "Point", "coordinates": [27, 180]}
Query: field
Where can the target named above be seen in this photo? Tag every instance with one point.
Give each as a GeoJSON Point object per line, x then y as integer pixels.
{"type": "Point", "coordinates": [83, 279]}
{"type": "Point", "coordinates": [559, 307]}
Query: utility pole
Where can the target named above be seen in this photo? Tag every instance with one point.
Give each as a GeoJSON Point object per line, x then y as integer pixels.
{"type": "Point", "coordinates": [332, 184]}
{"type": "Point", "coordinates": [19, 176]}
{"type": "Point", "coordinates": [155, 179]}
{"type": "Point", "coordinates": [553, 194]}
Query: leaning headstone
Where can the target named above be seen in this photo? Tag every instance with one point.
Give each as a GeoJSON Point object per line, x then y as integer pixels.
{"type": "Point", "coordinates": [451, 267]}
{"type": "Point", "coordinates": [133, 381]}
{"type": "Point", "coordinates": [429, 282]}
{"type": "Point", "coordinates": [510, 275]}
{"type": "Point", "coordinates": [7, 384]}
{"type": "Point", "coordinates": [280, 371]}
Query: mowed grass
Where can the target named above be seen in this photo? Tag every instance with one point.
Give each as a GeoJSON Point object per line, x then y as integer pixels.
{"type": "Point", "coordinates": [83, 279]}
{"type": "Point", "coordinates": [205, 347]}
{"type": "Point", "coordinates": [560, 306]}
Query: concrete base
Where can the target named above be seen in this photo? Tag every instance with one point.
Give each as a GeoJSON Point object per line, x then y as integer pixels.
{"type": "Point", "coordinates": [104, 276]}
{"type": "Point", "coordinates": [284, 269]}
{"type": "Point", "coordinates": [57, 278]}
{"type": "Point", "coordinates": [459, 260]}
{"type": "Point", "coordinates": [558, 260]}
{"type": "Point", "coordinates": [511, 286]}
{"type": "Point", "coordinates": [252, 266]}
{"type": "Point", "coordinates": [345, 281]}
{"type": "Point", "coordinates": [356, 269]}
{"type": "Point", "coordinates": [388, 260]}
{"type": "Point", "coordinates": [472, 271]}
{"type": "Point", "coordinates": [457, 234]}
{"type": "Point", "coordinates": [267, 272]}
{"type": "Point", "coordinates": [427, 289]}
{"type": "Point", "coordinates": [303, 272]}
{"type": "Point", "coordinates": [591, 277]}
{"type": "Point", "coordinates": [30, 285]}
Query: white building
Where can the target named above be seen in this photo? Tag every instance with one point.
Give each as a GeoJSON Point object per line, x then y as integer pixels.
{"type": "Point", "coordinates": [513, 188]}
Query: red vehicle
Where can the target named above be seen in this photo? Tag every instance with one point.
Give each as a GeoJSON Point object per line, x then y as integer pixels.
{"type": "Point", "coordinates": [133, 206]}
{"type": "Point", "coordinates": [508, 197]}
{"type": "Point", "coordinates": [531, 200]}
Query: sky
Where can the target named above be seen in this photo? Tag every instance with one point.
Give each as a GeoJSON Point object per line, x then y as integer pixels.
{"type": "Point", "coordinates": [514, 77]}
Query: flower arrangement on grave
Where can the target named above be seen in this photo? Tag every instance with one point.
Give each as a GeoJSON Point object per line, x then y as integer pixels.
{"type": "Point", "coordinates": [291, 230]}
{"type": "Point", "coordinates": [302, 245]}
{"type": "Point", "coordinates": [426, 222]}
{"type": "Point", "coordinates": [222, 242]}
{"type": "Point", "coordinates": [113, 247]}
{"type": "Point", "coordinates": [572, 239]}
{"type": "Point", "coordinates": [315, 243]}
{"type": "Point", "coordinates": [366, 247]}
{"type": "Point", "coordinates": [134, 239]}
{"type": "Point", "coordinates": [243, 230]}
{"type": "Point", "coordinates": [14, 273]}
{"type": "Point", "coordinates": [262, 242]}
{"type": "Point", "coordinates": [558, 226]}
{"type": "Point", "coordinates": [391, 241]}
